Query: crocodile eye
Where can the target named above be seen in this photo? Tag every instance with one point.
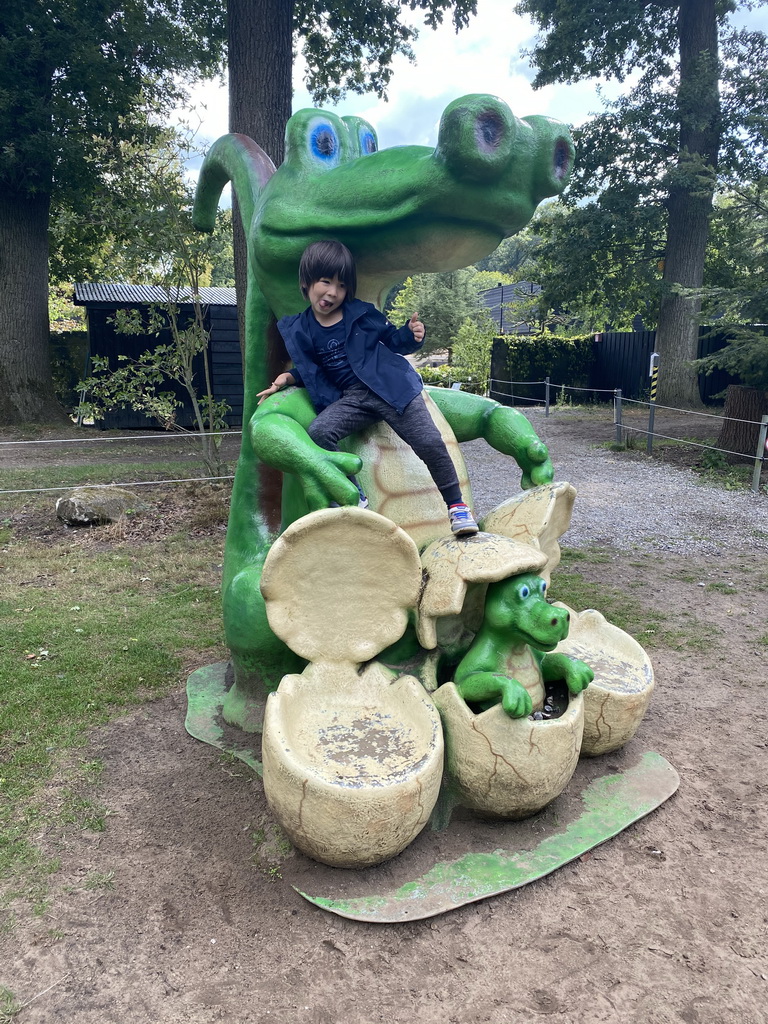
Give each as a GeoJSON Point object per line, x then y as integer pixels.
{"type": "Point", "coordinates": [324, 142]}
{"type": "Point", "coordinates": [367, 142]}
{"type": "Point", "coordinates": [525, 590]}
{"type": "Point", "coordinates": [543, 587]}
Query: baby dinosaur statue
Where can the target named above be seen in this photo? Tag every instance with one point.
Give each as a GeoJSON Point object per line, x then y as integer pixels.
{"type": "Point", "coordinates": [401, 211]}
{"type": "Point", "coordinates": [507, 659]}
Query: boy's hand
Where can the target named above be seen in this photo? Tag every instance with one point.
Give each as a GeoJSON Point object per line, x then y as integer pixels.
{"type": "Point", "coordinates": [416, 328]}
{"type": "Point", "coordinates": [281, 381]}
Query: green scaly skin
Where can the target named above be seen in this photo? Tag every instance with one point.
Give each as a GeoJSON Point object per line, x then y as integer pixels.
{"type": "Point", "coordinates": [518, 623]}
{"type": "Point", "coordinates": [402, 211]}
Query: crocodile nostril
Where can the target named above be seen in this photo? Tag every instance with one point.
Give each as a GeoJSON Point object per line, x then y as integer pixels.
{"type": "Point", "coordinates": [489, 131]}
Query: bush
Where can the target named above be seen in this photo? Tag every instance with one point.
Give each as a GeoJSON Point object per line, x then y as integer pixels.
{"type": "Point", "coordinates": [447, 376]}
{"type": "Point", "coordinates": [533, 357]}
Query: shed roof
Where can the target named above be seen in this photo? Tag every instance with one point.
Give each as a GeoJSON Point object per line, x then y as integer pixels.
{"type": "Point", "coordinates": [143, 294]}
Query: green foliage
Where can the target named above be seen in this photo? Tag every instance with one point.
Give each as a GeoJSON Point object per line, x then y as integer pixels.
{"type": "Point", "coordinates": [472, 349]}
{"type": "Point", "coordinates": [160, 238]}
{"type": "Point", "coordinates": [649, 156]}
{"type": "Point", "coordinates": [445, 302]}
{"type": "Point", "coordinates": [137, 383]}
{"type": "Point", "coordinates": [536, 356]}
{"type": "Point", "coordinates": [350, 47]}
{"type": "Point", "coordinates": [736, 295]}
{"type": "Point", "coordinates": [72, 71]}
{"type": "Point", "coordinates": [514, 259]}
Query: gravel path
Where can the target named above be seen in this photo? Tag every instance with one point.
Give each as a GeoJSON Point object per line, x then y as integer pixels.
{"type": "Point", "coordinates": [626, 500]}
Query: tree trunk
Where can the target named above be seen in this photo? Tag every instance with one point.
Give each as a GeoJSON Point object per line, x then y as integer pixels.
{"type": "Point", "coordinates": [260, 55]}
{"type": "Point", "coordinates": [744, 410]}
{"type": "Point", "coordinates": [689, 203]}
{"type": "Point", "coordinates": [26, 387]}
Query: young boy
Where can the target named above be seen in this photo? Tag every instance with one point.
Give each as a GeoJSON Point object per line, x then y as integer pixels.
{"type": "Point", "coordinates": [349, 358]}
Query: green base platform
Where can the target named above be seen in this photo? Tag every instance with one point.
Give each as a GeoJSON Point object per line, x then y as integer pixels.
{"type": "Point", "coordinates": [429, 878]}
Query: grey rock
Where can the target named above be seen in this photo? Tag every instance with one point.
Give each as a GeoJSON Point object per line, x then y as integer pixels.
{"type": "Point", "coordinates": [94, 506]}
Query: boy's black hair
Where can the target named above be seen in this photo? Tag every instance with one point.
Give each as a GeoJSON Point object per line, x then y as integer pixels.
{"type": "Point", "coordinates": [328, 258]}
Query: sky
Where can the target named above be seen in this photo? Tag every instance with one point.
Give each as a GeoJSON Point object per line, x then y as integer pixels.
{"type": "Point", "coordinates": [484, 57]}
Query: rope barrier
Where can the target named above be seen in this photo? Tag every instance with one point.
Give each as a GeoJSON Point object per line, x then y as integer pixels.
{"type": "Point", "coordinates": [689, 412]}
{"type": "Point", "coordinates": [127, 437]}
{"type": "Point", "coordinates": [693, 444]}
{"type": "Point", "coordinates": [134, 483]}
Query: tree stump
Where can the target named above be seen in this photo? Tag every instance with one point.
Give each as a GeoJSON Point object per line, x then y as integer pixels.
{"type": "Point", "coordinates": [742, 404]}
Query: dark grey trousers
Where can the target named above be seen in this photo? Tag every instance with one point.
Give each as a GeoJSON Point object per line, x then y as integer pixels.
{"type": "Point", "coordinates": [359, 408]}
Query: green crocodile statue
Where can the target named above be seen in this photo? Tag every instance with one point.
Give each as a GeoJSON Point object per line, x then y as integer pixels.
{"type": "Point", "coordinates": [406, 210]}
{"type": "Point", "coordinates": [507, 659]}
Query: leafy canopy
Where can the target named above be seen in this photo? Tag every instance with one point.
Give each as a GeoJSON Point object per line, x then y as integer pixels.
{"type": "Point", "coordinates": [72, 71]}
{"type": "Point", "coordinates": [349, 46]}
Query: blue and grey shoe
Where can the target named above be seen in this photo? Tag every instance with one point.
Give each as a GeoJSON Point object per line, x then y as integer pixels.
{"type": "Point", "coordinates": [462, 521]}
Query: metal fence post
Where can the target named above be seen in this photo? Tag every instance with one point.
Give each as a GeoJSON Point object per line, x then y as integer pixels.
{"type": "Point", "coordinates": [617, 413]}
{"type": "Point", "coordinates": [546, 396]}
{"type": "Point", "coordinates": [762, 447]}
{"type": "Point", "coordinates": [653, 373]}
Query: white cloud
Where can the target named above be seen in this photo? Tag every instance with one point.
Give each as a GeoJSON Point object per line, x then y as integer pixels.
{"type": "Point", "coordinates": [484, 57]}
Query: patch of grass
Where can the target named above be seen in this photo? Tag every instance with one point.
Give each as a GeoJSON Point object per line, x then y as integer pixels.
{"type": "Point", "coordinates": [86, 634]}
{"type": "Point", "coordinates": [650, 627]}
{"type": "Point", "coordinates": [722, 588]}
{"type": "Point", "coordinates": [684, 575]}
{"type": "Point", "coordinates": [9, 1005]}
{"type": "Point", "coordinates": [763, 640]}
{"type": "Point", "coordinates": [593, 556]}
{"type": "Point", "coordinates": [100, 880]}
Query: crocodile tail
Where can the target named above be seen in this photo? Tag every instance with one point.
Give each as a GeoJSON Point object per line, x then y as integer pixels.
{"type": "Point", "coordinates": [234, 158]}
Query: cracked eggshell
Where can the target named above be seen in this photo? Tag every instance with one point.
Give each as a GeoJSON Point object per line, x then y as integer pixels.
{"type": "Point", "coordinates": [451, 563]}
{"type": "Point", "coordinates": [352, 763]}
{"type": "Point", "coordinates": [507, 767]}
{"type": "Point", "coordinates": [339, 583]}
{"type": "Point", "coordinates": [617, 699]}
{"type": "Point", "coordinates": [539, 516]}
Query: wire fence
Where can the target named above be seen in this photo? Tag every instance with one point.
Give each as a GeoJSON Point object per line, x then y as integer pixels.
{"type": "Point", "coordinates": [622, 426]}
{"type": "Point", "coordinates": [560, 391]}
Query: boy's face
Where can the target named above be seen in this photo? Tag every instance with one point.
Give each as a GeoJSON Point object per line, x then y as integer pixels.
{"type": "Point", "coordinates": [326, 297]}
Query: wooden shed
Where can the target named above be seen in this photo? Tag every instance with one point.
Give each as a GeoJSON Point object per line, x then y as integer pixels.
{"type": "Point", "coordinates": [101, 301]}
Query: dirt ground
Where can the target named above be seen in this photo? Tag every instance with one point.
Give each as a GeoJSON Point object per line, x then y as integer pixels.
{"type": "Point", "coordinates": [195, 920]}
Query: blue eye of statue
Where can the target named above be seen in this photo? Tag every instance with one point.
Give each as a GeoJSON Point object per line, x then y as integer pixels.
{"type": "Point", "coordinates": [324, 142]}
{"type": "Point", "coordinates": [543, 587]}
{"type": "Point", "coordinates": [525, 590]}
{"type": "Point", "coordinates": [367, 142]}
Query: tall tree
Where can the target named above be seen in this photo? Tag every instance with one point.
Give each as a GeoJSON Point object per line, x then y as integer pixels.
{"type": "Point", "coordinates": [72, 71]}
{"type": "Point", "coordinates": [347, 47]}
{"type": "Point", "coordinates": [674, 45]}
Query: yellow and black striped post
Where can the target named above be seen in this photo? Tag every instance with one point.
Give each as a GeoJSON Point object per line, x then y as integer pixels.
{"type": "Point", "coordinates": [653, 373]}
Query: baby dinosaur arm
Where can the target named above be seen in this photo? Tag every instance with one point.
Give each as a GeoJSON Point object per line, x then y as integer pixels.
{"type": "Point", "coordinates": [577, 674]}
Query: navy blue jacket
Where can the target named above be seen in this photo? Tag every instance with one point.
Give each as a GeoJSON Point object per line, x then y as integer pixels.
{"type": "Point", "coordinates": [373, 344]}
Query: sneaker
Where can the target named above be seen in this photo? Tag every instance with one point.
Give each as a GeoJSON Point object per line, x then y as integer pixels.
{"type": "Point", "coordinates": [363, 503]}
{"type": "Point", "coordinates": [462, 523]}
